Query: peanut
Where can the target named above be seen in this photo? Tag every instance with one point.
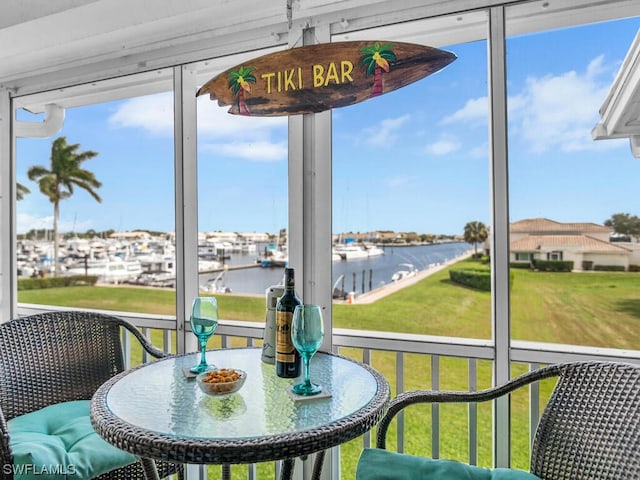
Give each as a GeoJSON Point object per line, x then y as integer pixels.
{"type": "Point", "coordinates": [223, 375]}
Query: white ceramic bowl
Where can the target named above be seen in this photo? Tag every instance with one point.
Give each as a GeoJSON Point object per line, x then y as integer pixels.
{"type": "Point", "coordinates": [216, 387]}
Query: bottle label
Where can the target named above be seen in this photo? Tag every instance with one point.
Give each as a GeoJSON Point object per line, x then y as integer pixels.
{"type": "Point", "coordinates": [285, 351]}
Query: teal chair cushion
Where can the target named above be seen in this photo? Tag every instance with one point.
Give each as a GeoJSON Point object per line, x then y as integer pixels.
{"type": "Point", "coordinates": [58, 442]}
{"type": "Point", "coordinates": [377, 464]}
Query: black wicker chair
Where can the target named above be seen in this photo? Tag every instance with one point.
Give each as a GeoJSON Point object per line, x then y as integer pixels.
{"type": "Point", "coordinates": [590, 428]}
{"type": "Point", "coordinates": [57, 357]}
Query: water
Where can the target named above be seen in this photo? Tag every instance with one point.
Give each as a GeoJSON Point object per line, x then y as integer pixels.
{"type": "Point", "coordinates": [377, 270]}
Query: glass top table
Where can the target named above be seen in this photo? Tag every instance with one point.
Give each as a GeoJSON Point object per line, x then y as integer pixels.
{"type": "Point", "coordinates": [156, 412]}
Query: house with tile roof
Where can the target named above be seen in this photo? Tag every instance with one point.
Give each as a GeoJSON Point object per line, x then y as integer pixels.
{"type": "Point", "coordinates": [587, 245]}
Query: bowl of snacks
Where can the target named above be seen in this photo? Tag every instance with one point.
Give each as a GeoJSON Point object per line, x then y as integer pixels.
{"type": "Point", "coordinates": [222, 381]}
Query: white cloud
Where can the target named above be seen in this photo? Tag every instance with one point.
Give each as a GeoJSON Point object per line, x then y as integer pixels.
{"type": "Point", "coordinates": [251, 138]}
{"type": "Point", "coordinates": [443, 146]}
{"type": "Point", "coordinates": [559, 111]}
{"type": "Point", "coordinates": [26, 222]}
{"type": "Point", "coordinates": [385, 134]}
{"type": "Point", "coordinates": [153, 113]}
{"type": "Point", "coordinates": [552, 112]}
{"type": "Point", "coordinates": [216, 122]}
{"type": "Point", "coordinates": [476, 110]}
{"type": "Point", "coordinates": [255, 151]}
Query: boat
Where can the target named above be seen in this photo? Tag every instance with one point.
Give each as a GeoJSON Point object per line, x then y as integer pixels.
{"type": "Point", "coordinates": [244, 245]}
{"type": "Point", "coordinates": [108, 270]}
{"type": "Point", "coordinates": [208, 265]}
{"type": "Point", "coordinates": [408, 271]}
{"type": "Point", "coordinates": [158, 262]}
{"type": "Point", "coordinates": [156, 279]}
{"type": "Point", "coordinates": [353, 251]}
{"type": "Point", "coordinates": [215, 250]}
{"type": "Point", "coordinates": [274, 256]}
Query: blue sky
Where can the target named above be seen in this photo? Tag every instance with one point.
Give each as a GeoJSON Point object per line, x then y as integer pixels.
{"type": "Point", "coordinates": [413, 160]}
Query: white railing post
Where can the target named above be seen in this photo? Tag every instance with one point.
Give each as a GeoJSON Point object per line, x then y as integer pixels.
{"type": "Point", "coordinates": [473, 413]}
{"type": "Point", "coordinates": [435, 407]}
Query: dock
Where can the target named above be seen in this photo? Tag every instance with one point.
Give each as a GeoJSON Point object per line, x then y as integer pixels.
{"type": "Point", "coordinates": [389, 288]}
{"type": "Point", "coordinates": [231, 267]}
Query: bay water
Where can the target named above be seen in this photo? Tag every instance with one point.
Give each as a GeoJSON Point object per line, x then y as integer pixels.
{"type": "Point", "coordinates": [359, 275]}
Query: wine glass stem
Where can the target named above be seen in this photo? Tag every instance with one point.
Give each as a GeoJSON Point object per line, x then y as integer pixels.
{"type": "Point", "coordinates": [203, 352]}
{"type": "Point", "coordinates": [307, 379]}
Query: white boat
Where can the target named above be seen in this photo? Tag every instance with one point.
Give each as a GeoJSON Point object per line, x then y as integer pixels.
{"type": "Point", "coordinates": [242, 245]}
{"type": "Point", "coordinates": [274, 256]}
{"type": "Point", "coordinates": [108, 270]}
{"type": "Point", "coordinates": [352, 251]}
{"type": "Point", "coordinates": [166, 263]}
{"type": "Point", "coordinates": [156, 279]}
{"type": "Point", "coordinates": [408, 271]}
{"type": "Point", "coordinates": [205, 265]}
{"type": "Point", "coordinates": [157, 262]}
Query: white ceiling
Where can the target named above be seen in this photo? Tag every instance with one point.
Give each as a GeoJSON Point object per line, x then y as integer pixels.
{"type": "Point", "coordinates": [52, 43]}
{"type": "Point", "coordinates": [55, 44]}
{"type": "Point", "coordinates": [40, 42]}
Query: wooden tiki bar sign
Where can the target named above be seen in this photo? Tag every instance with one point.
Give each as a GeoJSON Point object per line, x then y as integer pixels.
{"type": "Point", "coordinates": [318, 77]}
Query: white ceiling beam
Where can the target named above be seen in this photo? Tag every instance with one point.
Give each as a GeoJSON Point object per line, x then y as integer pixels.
{"type": "Point", "coordinates": [13, 12]}
{"type": "Point", "coordinates": [128, 86]}
{"type": "Point", "coordinates": [96, 40]}
{"type": "Point", "coordinates": [120, 29]}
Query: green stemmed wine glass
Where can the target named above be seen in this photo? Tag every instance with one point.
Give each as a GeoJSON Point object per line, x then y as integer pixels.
{"type": "Point", "coordinates": [204, 321]}
{"type": "Point", "coordinates": [307, 332]}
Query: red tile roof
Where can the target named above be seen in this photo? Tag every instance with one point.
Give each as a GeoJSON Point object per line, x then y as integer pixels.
{"type": "Point", "coordinates": [585, 243]}
{"type": "Point", "coordinates": [546, 226]}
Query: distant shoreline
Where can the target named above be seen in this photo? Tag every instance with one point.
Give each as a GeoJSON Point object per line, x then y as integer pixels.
{"type": "Point", "coordinates": [389, 288]}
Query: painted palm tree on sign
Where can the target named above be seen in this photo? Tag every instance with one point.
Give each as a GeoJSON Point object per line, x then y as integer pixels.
{"type": "Point", "coordinates": [58, 181]}
{"type": "Point", "coordinates": [240, 82]}
{"type": "Point", "coordinates": [376, 58]}
{"type": "Point", "coordinates": [475, 232]}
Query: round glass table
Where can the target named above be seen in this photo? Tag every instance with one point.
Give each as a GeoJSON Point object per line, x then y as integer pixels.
{"type": "Point", "coordinates": [157, 412]}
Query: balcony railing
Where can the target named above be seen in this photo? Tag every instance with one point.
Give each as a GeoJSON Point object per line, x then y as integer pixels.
{"type": "Point", "coordinates": [392, 351]}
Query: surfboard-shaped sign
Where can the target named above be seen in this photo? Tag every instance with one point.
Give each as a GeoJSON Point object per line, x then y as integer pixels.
{"type": "Point", "coordinates": [315, 78]}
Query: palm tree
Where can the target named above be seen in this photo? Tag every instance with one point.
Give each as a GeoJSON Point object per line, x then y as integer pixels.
{"type": "Point", "coordinates": [475, 232]}
{"type": "Point", "coordinates": [239, 82]}
{"type": "Point", "coordinates": [58, 181]}
{"type": "Point", "coordinates": [376, 58]}
{"type": "Point", "coordinates": [21, 191]}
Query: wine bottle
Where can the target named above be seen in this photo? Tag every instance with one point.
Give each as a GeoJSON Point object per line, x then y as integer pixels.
{"type": "Point", "coordinates": [287, 357]}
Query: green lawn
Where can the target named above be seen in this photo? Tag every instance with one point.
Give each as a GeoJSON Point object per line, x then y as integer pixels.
{"type": "Point", "coordinates": [590, 308]}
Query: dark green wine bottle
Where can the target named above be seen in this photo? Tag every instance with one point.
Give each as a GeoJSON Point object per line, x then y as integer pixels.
{"type": "Point", "coordinates": [287, 357]}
